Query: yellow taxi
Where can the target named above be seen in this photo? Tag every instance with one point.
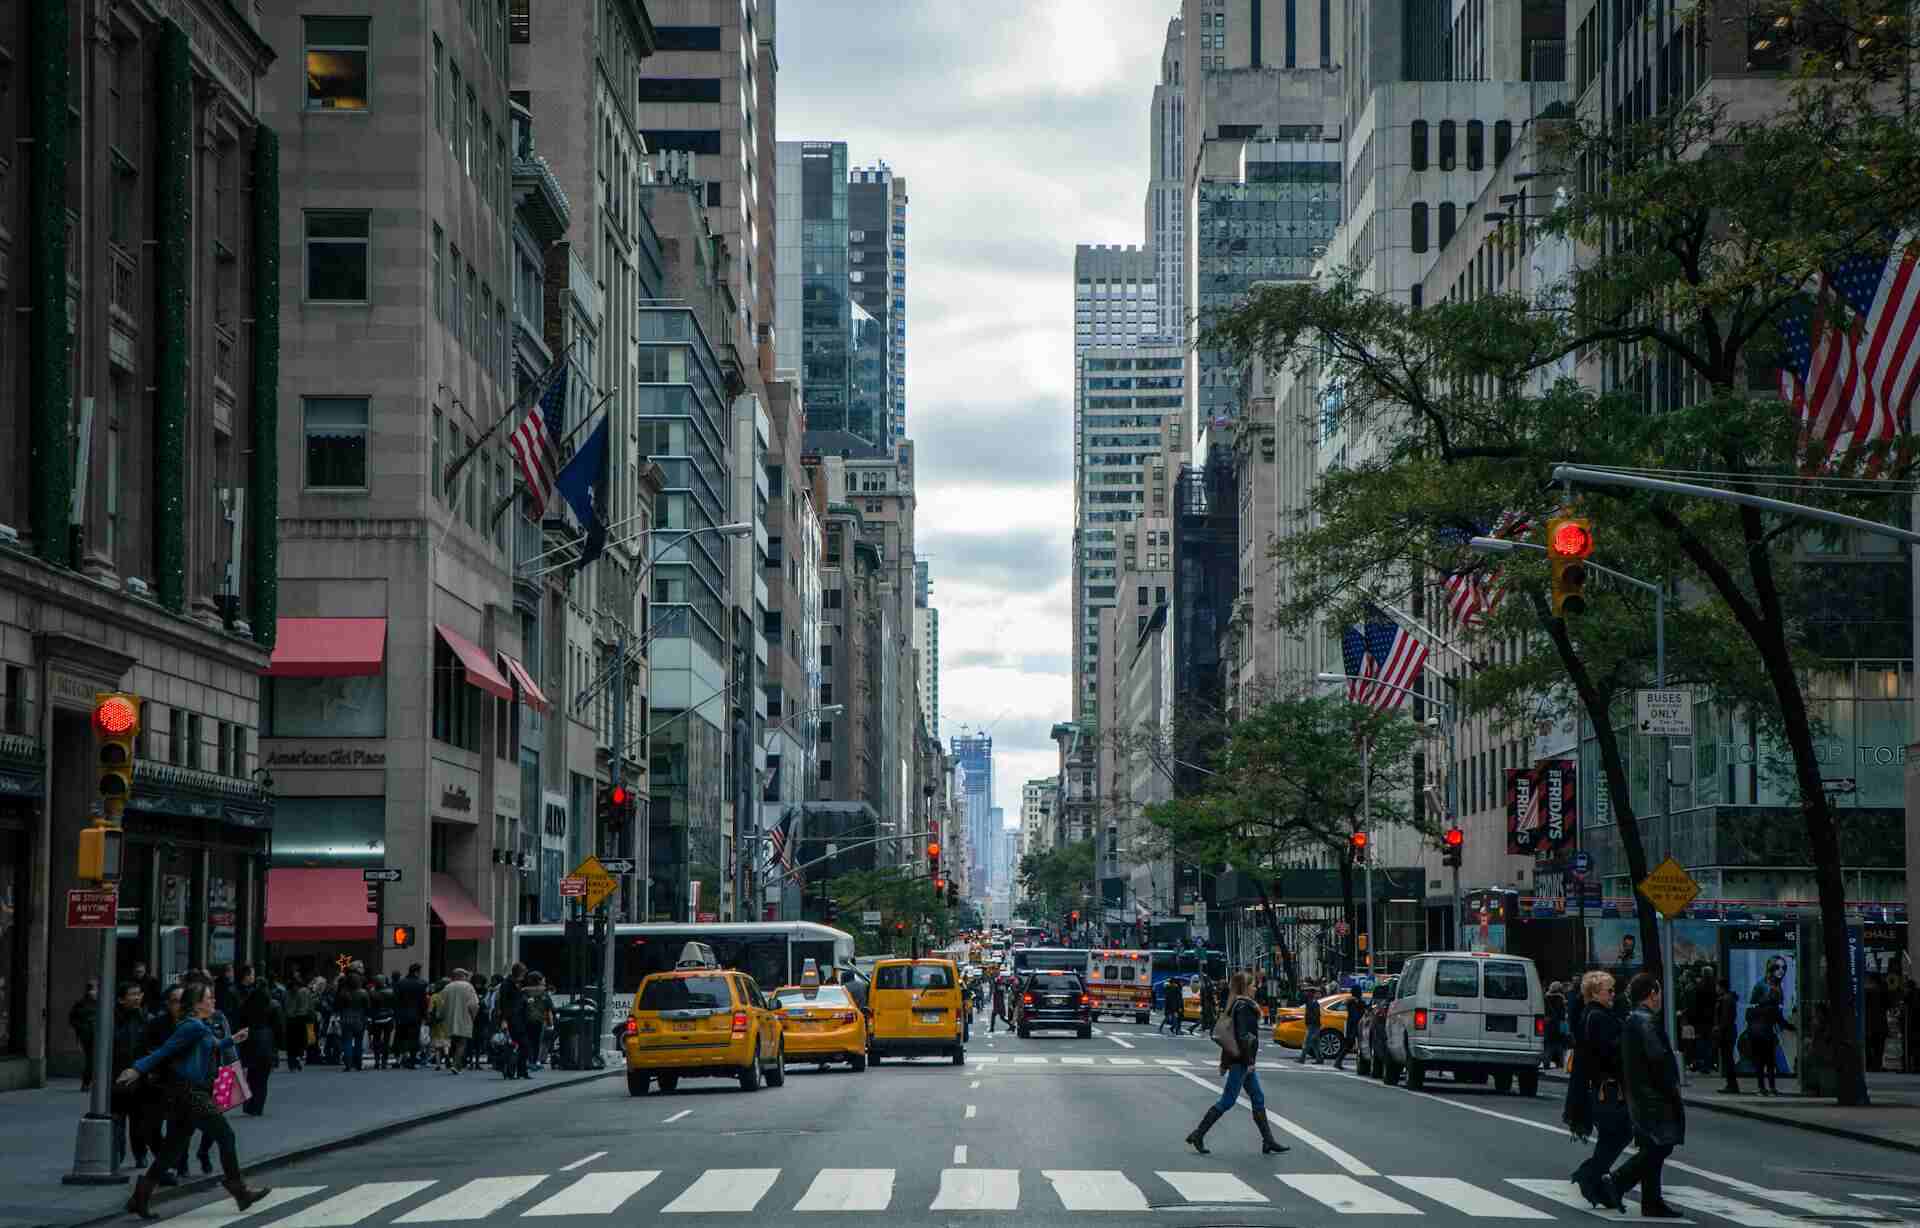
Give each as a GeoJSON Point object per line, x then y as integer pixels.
{"type": "Point", "coordinates": [916, 1010]}
{"type": "Point", "coordinates": [822, 1023]}
{"type": "Point", "coordinates": [702, 1021]}
{"type": "Point", "coordinates": [1290, 1025]}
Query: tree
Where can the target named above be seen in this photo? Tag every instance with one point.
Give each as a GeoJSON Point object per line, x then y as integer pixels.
{"type": "Point", "coordinates": [1059, 879]}
{"type": "Point", "coordinates": [898, 898]}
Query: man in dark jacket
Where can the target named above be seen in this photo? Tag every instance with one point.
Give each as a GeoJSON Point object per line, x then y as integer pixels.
{"type": "Point", "coordinates": [81, 1018]}
{"type": "Point", "coordinates": [1701, 1005]}
{"type": "Point", "coordinates": [409, 1012]}
{"type": "Point", "coordinates": [263, 1021]}
{"type": "Point", "coordinates": [1653, 1098]}
{"type": "Point", "coordinates": [1356, 1018]}
{"type": "Point", "coordinates": [1309, 1045]}
{"type": "Point", "coordinates": [1174, 991]}
{"type": "Point", "coordinates": [1726, 1026]}
{"type": "Point", "coordinates": [129, 1045]}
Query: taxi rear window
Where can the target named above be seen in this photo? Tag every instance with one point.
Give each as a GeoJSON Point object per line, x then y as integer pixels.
{"type": "Point", "coordinates": [826, 995]}
{"type": "Point", "coordinates": [686, 993]}
{"type": "Point", "coordinates": [913, 976]}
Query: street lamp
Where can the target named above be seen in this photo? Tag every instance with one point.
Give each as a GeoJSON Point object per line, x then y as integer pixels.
{"type": "Point", "coordinates": [750, 854]}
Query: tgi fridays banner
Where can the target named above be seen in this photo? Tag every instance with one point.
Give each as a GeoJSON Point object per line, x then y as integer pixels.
{"type": "Point", "coordinates": [1541, 807]}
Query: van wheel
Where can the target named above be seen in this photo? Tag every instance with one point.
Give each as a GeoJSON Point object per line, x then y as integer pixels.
{"type": "Point", "coordinates": [1416, 1074]}
{"type": "Point", "coordinates": [1529, 1083]}
{"type": "Point", "coordinates": [1503, 1082]}
{"type": "Point", "coordinates": [750, 1077]}
{"type": "Point", "coordinates": [874, 1057]}
{"type": "Point", "coordinates": [637, 1083]}
{"type": "Point", "coordinates": [1086, 1033]}
{"type": "Point", "coordinates": [669, 1084]}
{"type": "Point", "coordinates": [1140, 1018]}
{"type": "Point", "coordinates": [777, 1077]}
{"type": "Point", "coordinates": [1390, 1072]}
{"type": "Point", "coordinates": [959, 1057]}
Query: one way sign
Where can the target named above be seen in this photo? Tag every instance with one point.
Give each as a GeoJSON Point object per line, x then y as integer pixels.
{"type": "Point", "coordinates": [617, 865]}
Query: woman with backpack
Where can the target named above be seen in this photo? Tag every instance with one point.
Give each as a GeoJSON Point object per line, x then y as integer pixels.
{"type": "Point", "coordinates": [182, 1071]}
{"type": "Point", "coordinates": [537, 1007]}
{"type": "Point", "coordinates": [380, 1021]}
{"type": "Point", "coordinates": [351, 1004]}
{"type": "Point", "coordinates": [1238, 1035]}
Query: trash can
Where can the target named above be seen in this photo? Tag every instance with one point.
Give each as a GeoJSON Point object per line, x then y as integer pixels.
{"type": "Point", "coordinates": [576, 1040]}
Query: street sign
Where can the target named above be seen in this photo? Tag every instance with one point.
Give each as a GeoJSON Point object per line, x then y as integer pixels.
{"type": "Point", "coordinates": [573, 887]}
{"type": "Point", "coordinates": [1841, 785]}
{"type": "Point", "coordinates": [1664, 713]}
{"type": "Point", "coordinates": [617, 865]}
{"type": "Point", "coordinates": [1669, 888]}
{"type": "Point", "coordinates": [708, 918]}
{"type": "Point", "coordinates": [91, 908]}
{"type": "Point", "coordinates": [1582, 863]}
{"type": "Point", "coordinates": [870, 917]}
{"type": "Point", "coordinates": [385, 874]}
{"type": "Point", "coordinates": [600, 884]}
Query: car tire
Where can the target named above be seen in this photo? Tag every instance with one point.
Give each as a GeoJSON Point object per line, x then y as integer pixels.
{"type": "Point", "coordinates": [1022, 1032]}
{"type": "Point", "coordinates": [1529, 1083]}
{"type": "Point", "coordinates": [1140, 1018]}
{"type": "Point", "coordinates": [1086, 1033]}
{"type": "Point", "coordinates": [750, 1077]}
{"type": "Point", "coordinates": [1416, 1074]}
{"type": "Point", "coordinates": [1331, 1045]}
{"type": "Point", "coordinates": [1390, 1073]}
{"type": "Point", "coordinates": [669, 1084]}
{"type": "Point", "coordinates": [858, 1061]}
{"type": "Point", "coordinates": [1503, 1082]}
{"type": "Point", "coordinates": [960, 1057]}
{"type": "Point", "coordinates": [874, 1058]}
{"type": "Point", "coordinates": [637, 1082]}
{"type": "Point", "coordinates": [777, 1076]}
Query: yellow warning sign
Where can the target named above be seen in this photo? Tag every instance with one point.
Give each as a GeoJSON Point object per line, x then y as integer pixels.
{"type": "Point", "coordinates": [1669, 888]}
{"type": "Point", "coordinates": [600, 884]}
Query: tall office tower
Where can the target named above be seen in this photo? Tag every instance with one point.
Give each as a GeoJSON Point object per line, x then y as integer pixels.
{"type": "Point", "coordinates": [1115, 303]}
{"type": "Point", "coordinates": [813, 174]}
{"type": "Point", "coordinates": [867, 377]}
{"type": "Point", "coordinates": [926, 642]}
{"type": "Point", "coordinates": [877, 272]}
{"type": "Point", "coordinates": [1036, 814]}
{"type": "Point", "coordinates": [789, 264]}
{"type": "Point", "coordinates": [974, 754]}
{"type": "Point", "coordinates": [701, 94]}
{"type": "Point", "coordinates": [1167, 183]}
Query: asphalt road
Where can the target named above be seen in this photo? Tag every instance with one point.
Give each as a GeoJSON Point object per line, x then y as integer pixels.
{"type": "Point", "coordinates": [1036, 1132]}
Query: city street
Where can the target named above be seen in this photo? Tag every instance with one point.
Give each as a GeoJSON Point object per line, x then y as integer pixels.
{"type": "Point", "coordinates": [1031, 1131]}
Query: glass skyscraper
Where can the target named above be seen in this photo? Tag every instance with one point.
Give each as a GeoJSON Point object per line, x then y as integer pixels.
{"type": "Point", "coordinates": [826, 312]}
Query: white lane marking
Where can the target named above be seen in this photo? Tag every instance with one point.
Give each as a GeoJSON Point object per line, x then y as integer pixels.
{"type": "Point", "coordinates": [216, 1214]}
{"type": "Point", "coordinates": [1470, 1199]}
{"type": "Point", "coordinates": [667, 1121]}
{"type": "Point", "coordinates": [582, 1162]}
{"type": "Point", "coordinates": [1086, 1189]}
{"type": "Point", "coordinates": [1562, 1191]}
{"type": "Point", "coordinates": [1712, 1202]}
{"type": "Point", "coordinates": [595, 1194]}
{"type": "Point", "coordinates": [978, 1060]}
{"type": "Point", "coordinates": [1126, 1061]}
{"type": "Point", "coordinates": [1029, 1061]}
{"type": "Point", "coordinates": [959, 1153]}
{"type": "Point", "coordinates": [1813, 1204]}
{"type": "Point", "coordinates": [1076, 1061]}
{"type": "Point", "coordinates": [1345, 1195]}
{"type": "Point", "coordinates": [1171, 1061]}
{"type": "Point", "coordinates": [978, 1189]}
{"type": "Point", "coordinates": [475, 1200]}
{"type": "Point", "coordinates": [848, 1189]}
{"type": "Point", "coordinates": [352, 1205]}
{"type": "Point", "coordinates": [725, 1189]}
{"type": "Point", "coordinates": [975, 1083]}
{"type": "Point", "coordinates": [1124, 1044]}
{"type": "Point", "coordinates": [1344, 1159]}
{"type": "Point", "coordinates": [1212, 1187]}
{"type": "Point", "coordinates": [971, 1110]}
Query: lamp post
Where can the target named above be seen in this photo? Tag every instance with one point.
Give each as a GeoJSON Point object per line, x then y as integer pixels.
{"type": "Point", "coordinates": [751, 844]}
{"type": "Point", "coordinates": [1500, 545]}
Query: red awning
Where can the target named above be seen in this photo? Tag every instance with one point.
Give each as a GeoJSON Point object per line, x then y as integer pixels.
{"type": "Point", "coordinates": [328, 647]}
{"type": "Point", "coordinates": [456, 910]}
{"type": "Point", "coordinates": [325, 905]}
{"type": "Point", "coordinates": [531, 693]}
{"type": "Point", "coordinates": [480, 671]}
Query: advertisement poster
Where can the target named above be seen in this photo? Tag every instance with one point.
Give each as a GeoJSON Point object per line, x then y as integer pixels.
{"type": "Point", "coordinates": [1557, 782]}
{"type": "Point", "coordinates": [1751, 970]}
{"type": "Point", "coordinates": [1614, 944]}
{"type": "Point", "coordinates": [1523, 812]}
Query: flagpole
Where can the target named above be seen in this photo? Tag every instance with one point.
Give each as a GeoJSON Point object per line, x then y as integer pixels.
{"type": "Point", "coordinates": [514, 406]}
{"type": "Point", "coordinates": [501, 507]}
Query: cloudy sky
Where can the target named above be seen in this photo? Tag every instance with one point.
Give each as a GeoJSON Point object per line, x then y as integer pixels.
{"type": "Point", "coordinates": [1021, 129]}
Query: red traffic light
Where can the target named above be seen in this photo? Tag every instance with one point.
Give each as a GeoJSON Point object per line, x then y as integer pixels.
{"type": "Point", "coordinates": [620, 795]}
{"type": "Point", "coordinates": [1570, 539]}
{"type": "Point", "coordinates": [116, 716]}
{"type": "Point", "coordinates": [933, 848]}
{"type": "Point", "coordinates": [1454, 838]}
{"type": "Point", "coordinates": [939, 884]}
{"type": "Point", "coordinates": [1358, 839]}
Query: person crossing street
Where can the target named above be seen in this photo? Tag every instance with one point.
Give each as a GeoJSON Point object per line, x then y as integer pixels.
{"type": "Point", "coordinates": [1356, 1017]}
{"type": "Point", "coordinates": [1309, 1045]}
{"type": "Point", "coordinates": [1237, 1064]}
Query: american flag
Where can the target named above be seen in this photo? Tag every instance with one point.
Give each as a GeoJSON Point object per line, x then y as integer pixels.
{"type": "Point", "coordinates": [1475, 592]}
{"type": "Point", "coordinates": [1853, 386]}
{"type": "Point", "coordinates": [780, 844]}
{"type": "Point", "coordinates": [533, 441]}
{"type": "Point", "coordinates": [1396, 655]}
{"type": "Point", "coordinates": [1353, 652]}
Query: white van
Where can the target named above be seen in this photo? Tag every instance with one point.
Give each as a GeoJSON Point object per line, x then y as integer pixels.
{"type": "Point", "coordinates": [1472, 1013]}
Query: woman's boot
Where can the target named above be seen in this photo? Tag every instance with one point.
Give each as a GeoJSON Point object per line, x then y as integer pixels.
{"type": "Point", "coordinates": [141, 1204]}
{"type": "Point", "coordinates": [1267, 1146]}
{"type": "Point", "coordinates": [242, 1196]}
{"type": "Point", "coordinates": [1197, 1140]}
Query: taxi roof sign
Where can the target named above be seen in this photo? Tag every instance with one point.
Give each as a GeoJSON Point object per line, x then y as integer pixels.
{"type": "Point", "coordinates": [697, 955]}
{"type": "Point", "coordinates": [810, 972]}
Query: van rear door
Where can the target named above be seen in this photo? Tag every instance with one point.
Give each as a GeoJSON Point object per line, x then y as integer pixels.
{"type": "Point", "coordinates": [1455, 1002]}
{"type": "Point", "coordinates": [1506, 1002]}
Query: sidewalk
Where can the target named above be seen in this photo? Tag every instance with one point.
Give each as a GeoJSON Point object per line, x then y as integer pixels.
{"type": "Point", "coordinates": [313, 1110]}
{"type": "Point", "coordinates": [1892, 1120]}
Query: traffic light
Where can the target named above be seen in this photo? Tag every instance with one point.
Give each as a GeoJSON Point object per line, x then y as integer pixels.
{"type": "Point", "coordinates": [1569, 543]}
{"type": "Point", "coordinates": [399, 936]}
{"type": "Point", "coordinates": [1357, 847]}
{"type": "Point", "coordinates": [953, 894]}
{"type": "Point", "coordinates": [116, 722]}
{"type": "Point", "coordinates": [1452, 841]}
{"type": "Point", "coordinates": [899, 927]}
{"type": "Point", "coordinates": [939, 887]}
{"type": "Point", "coordinates": [1074, 916]}
{"type": "Point", "coordinates": [833, 910]}
{"type": "Point", "coordinates": [375, 897]}
{"type": "Point", "coordinates": [933, 859]}
{"type": "Point", "coordinates": [620, 801]}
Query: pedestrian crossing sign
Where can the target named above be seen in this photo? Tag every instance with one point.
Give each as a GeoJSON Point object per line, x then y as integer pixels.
{"type": "Point", "coordinates": [1669, 888]}
{"type": "Point", "coordinates": [600, 884]}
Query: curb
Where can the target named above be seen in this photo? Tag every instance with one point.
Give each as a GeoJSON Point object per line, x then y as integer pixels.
{"type": "Point", "coordinates": [280, 1159]}
{"type": "Point", "coordinates": [1816, 1127]}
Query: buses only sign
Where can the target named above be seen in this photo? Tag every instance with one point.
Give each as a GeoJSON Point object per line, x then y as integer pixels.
{"type": "Point", "coordinates": [1664, 713]}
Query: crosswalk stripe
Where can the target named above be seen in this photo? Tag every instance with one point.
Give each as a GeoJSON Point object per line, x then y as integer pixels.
{"type": "Point", "coordinates": [983, 1060]}
{"type": "Point", "coordinates": [1076, 1061]}
{"type": "Point", "coordinates": [849, 1189]}
{"type": "Point", "coordinates": [978, 1189]}
{"type": "Point", "coordinates": [1171, 1061]}
{"type": "Point", "coordinates": [1746, 1214]}
{"type": "Point", "coordinates": [1813, 1204]}
{"type": "Point", "coordinates": [1557, 1189]}
{"type": "Point", "coordinates": [1088, 1189]}
{"type": "Point", "coordinates": [352, 1206]}
{"type": "Point", "coordinates": [1030, 1061]}
{"type": "Point", "coordinates": [477, 1199]}
{"type": "Point", "coordinates": [1342, 1193]}
{"type": "Point", "coordinates": [1466, 1197]}
{"type": "Point", "coordinates": [217, 1214]}
{"type": "Point", "coordinates": [1211, 1187]}
{"type": "Point", "coordinates": [725, 1189]}
{"type": "Point", "coordinates": [596, 1194]}
{"type": "Point", "coordinates": [1127, 1061]}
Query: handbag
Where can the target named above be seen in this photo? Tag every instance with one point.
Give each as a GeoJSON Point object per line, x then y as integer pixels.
{"type": "Point", "coordinates": [1223, 1036]}
{"type": "Point", "coordinates": [230, 1089]}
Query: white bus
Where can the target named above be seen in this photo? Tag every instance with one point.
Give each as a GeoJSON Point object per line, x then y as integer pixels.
{"type": "Point", "coordinates": [771, 952]}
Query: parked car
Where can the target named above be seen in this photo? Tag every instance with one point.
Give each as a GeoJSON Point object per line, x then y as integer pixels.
{"type": "Point", "coordinates": [1473, 1013]}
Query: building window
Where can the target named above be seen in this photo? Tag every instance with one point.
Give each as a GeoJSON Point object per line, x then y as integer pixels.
{"type": "Point", "coordinates": [1446, 222]}
{"type": "Point", "coordinates": [826, 732]}
{"type": "Point", "coordinates": [826, 656]}
{"type": "Point", "coordinates": [456, 306]}
{"type": "Point", "coordinates": [1476, 145]}
{"type": "Point", "coordinates": [439, 249]}
{"type": "Point", "coordinates": [826, 694]}
{"type": "Point", "coordinates": [338, 249]}
{"type": "Point", "coordinates": [826, 769]}
{"type": "Point", "coordinates": [776, 552]}
{"type": "Point", "coordinates": [439, 99]}
{"type": "Point", "coordinates": [336, 434]}
{"type": "Point", "coordinates": [1417, 141]}
{"type": "Point", "coordinates": [830, 600]}
{"type": "Point", "coordinates": [1502, 140]}
{"type": "Point", "coordinates": [1448, 151]}
{"type": "Point", "coordinates": [336, 63]}
{"type": "Point", "coordinates": [1419, 226]}
{"type": "Point", "coordinates": [519, 22]}
{"type": "Point", "coordinates": [456, 705]}
{"type": "Point", "coordinates": [468, 123]}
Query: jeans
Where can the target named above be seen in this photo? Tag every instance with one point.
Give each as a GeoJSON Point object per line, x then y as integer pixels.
{"type": "Point", "coordinates": [1306, 1046]}
{"type": "Point", "coordinates": [352, 1043]}
{"type": "Point", "coordinates": [1238, 1077]}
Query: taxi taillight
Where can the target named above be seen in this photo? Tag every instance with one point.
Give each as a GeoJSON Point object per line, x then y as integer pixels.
{"type": "Point", "coordinates": [739, 1023]}
{"type": "Point", "coordinates": [1420, 1019]}
{"type": "Point", "coordinates": [633, 1026]}
{"type": "Point", "coordinates": [1026, 999]}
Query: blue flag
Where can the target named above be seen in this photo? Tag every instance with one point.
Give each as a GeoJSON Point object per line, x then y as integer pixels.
{"type": "Point", "coordinates": [583, 484]}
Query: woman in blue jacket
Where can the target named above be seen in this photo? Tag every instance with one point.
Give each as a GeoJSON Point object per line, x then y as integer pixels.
{"type": "Point", "coordinates": [183, 1071]}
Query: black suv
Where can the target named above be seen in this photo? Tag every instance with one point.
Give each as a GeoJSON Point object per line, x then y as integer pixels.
{"type": "Point", "coordinates": [1053, 1000]}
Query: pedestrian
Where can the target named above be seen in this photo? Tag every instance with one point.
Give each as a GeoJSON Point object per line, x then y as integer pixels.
{"type": "Point", "coordinates": [1876, 1021]}
{"type": "Point", "coordinates": [222, 1030]}
{"type": "Point", "coordinates": [409, 1012]}
{"type": "Point", "coordinates": [1557, 1034]}
{"type": "Point", "coordinates": [1237, 1064]}
{"type": "Point", "coordinates": [1702, 1005]}
{"type": "Point", "coordinates": [1765, 1018]}
{"type": "Point", "coordinates": [510, 1010]}
{"type": "Point", "coordinates": [1910, 1021]}
{"type": "Point", "coordinates": [183, 1071]}
{"type": "Point", "coordinates": [460, 1005]}
{"type": "Point", "coordinates": [1209, 1010]}
{"type": "Point", "coordinates": [999, 1004]}
{"type": "Point", "coordinates": [261, 1023]}
{"type": "Point", "coordinates": [1726, 1027]}
{"type": "Point", "coordinates": [81, 1018]}
{"type": "Point", "coordinates": [351, 1005]}
{"type": "Point", "coordinates": [129, 1045]}
{"type": "Point", "coordinates": [1313, 1027]}
{"type": "Point", "coordinates": [149, 985]}
{"type": "Point", "coordinates": [536, 1005]}
{"type": "Point", "coordinates": [326, 1006]}
{"type": "Point", "coordinates": [436, 1026]}
{"type": "Point", "coordinates": [483, 1022]}
{"type": "Point", "coordinates": [1175, 1005]}
{"type": "Point", "coordinates": [150, 1107]}
{"type": "Point", "coordinates": [1596, 1093]}
{"type": "Point", "coordinates": [1356, 1014]}
{"type": "Point", "coordinates": [1653, 1100]}
{"type": "Point", "coordinates": [380, 1021]}
{"type": "Point", "coordinates": [299, 1037]}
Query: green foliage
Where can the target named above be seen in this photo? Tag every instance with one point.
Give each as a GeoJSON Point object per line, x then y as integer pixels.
{"type": "Point", "coordinates": [1059, 879]}
{"type": "Point", "coordinates": [898, 898]}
